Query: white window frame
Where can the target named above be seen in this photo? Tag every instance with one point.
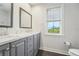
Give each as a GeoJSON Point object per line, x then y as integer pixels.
{"type": "Point", "coordinates": [61, 25]}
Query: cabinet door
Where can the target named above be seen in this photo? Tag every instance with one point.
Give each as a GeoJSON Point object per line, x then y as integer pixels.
{"type": "Point", "coordinates": [1, 54]}
{"type": "Point", "coordinates": [13, 51]}
{"type": "Point", "coordinates": [26, 46]}
{"type": "Point", "coordinates": [38, 40]}
{"type": "Point", "coordinates": [35, 45]}
{"type": "Point", "coordinates": [17, 48]}
{"type": "Point", "coordinates": [20, 49]}
{"type": "Point", "coordinates": [30, 46]}
{"type": "Point", "coordinates": [4, 50]}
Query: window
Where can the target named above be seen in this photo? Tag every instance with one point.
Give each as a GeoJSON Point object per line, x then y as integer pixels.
{"type": "Point", "coordinates": [54, 20]}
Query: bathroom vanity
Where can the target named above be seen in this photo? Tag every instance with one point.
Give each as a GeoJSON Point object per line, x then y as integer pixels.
{"type": "Point", "coordinates": [20, 44]}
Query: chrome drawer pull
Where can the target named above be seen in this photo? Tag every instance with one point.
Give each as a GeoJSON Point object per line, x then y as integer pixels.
{"type": "Point", "coordinates": [13, 46]}
{"type": "Point", "coordinates": [7, 49]}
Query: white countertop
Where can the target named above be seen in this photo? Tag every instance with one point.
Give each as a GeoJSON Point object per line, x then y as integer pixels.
{"type": "Point", "coordinates": [13, 37]}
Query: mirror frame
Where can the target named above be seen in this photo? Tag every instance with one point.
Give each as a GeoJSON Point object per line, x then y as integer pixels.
{"type": "Point", "coordinates": [20, 13]}
{"type": "Point", "coordinates": [11, 18]}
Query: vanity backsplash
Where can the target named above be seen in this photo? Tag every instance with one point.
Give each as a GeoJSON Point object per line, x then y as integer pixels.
{"type": "Point", "coordinates": [3, 31]}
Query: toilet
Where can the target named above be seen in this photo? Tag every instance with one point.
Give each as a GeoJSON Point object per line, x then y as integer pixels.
{"type": "Point", "coordinates": [71, 51]}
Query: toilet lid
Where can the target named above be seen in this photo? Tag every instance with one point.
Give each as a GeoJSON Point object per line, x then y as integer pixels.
{"type": "Point", "coordinates": [74, 51]}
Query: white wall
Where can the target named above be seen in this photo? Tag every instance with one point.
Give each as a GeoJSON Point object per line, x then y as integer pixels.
{"type": "Point", "coordinates": [54, 42]}
{"type": "Point", "coordinates": [15, 27]}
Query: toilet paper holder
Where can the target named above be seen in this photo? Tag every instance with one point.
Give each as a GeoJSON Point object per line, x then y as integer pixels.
{"type": "Point", "coordinates": [68, 44]}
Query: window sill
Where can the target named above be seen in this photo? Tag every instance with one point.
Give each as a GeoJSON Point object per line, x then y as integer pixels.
{"type": "Point", "coordinates": [54, 34]}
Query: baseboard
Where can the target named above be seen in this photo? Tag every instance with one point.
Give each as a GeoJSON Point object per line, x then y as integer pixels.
{"type": "Point", "coordinates": [55, 50]}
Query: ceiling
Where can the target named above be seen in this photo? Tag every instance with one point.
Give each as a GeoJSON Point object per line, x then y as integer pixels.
{"type": "Point", "coordinates": [34, 4]}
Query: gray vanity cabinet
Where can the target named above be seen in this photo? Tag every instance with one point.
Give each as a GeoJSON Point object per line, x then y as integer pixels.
{"type": "Point", "coordinates": [30, 45]}
{"type": "Point", "coordinates": [27, 46]}
{"type": "Point", "coordinates": [4, 50]}
{"type": "Point", "coordinates": [17, 48]}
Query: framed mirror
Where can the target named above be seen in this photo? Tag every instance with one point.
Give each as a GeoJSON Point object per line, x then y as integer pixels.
{"type": "Point", "coordinates": [6, 14]}
{"type": "Point", "coordinates": [25, 19]}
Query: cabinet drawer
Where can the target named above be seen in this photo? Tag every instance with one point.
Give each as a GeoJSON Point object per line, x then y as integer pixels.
{"type": "Point", "coordinates": [30, 52]}
{"type": "Point", "coordinates": [35, 36]}
{"type": "Point", "coordinates": [30, 39]}
{"type": "Point", "coordinates": [30, 46]}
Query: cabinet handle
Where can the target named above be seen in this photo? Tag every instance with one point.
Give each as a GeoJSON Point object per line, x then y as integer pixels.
{"type": "Point", "coordinates": [30, 51]}
{"type": "Point", "coordinates": [29, 38]}
{"type": "Point", "coordinates": [13, 46]}
{"type": "Point", "coordinates": [7, 48]}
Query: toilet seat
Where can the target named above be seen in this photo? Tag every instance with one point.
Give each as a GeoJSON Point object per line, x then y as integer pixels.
{"type": "Point", "coordinates": [74, 52]}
